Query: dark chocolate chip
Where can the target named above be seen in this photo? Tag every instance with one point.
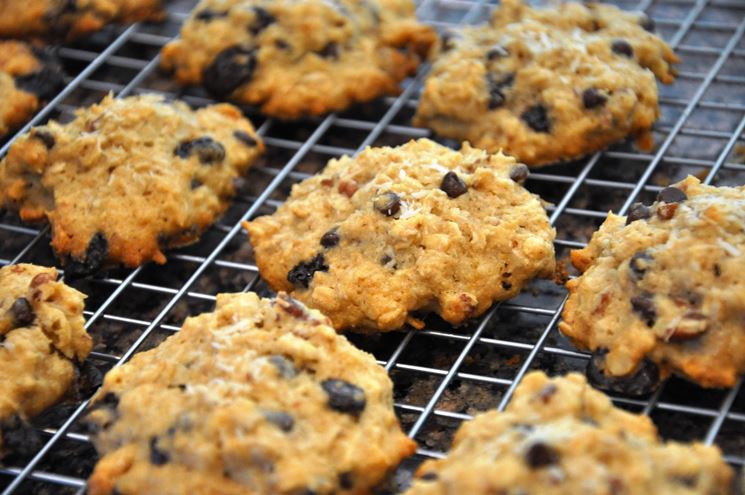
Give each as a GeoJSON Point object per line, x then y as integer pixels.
{"type": "Point", "coordinates": [647, 23]}
{"type": "Point", "coordinates": [639, 263]}
{"type": "Point", "coordinates": [331, 50]}
{"type": "Point", "coordinates": [262, 20]}
{"type": "Point", "coordinates": [285, 367]}
{"type": "Point", "coordinates": [537, 118]}
{"type": "Point", "coordinates": [302, 273]}
{"type": "Point", "coordinates": [387, 203]}
{"type": "Point", "coordinates": [281, 420]}
{"type": "Point", "coordinates": [671, 195]}
{"type": "Point", "coordinates": [195, 183]}
{"type": "Point", "coordinates": [717, 270]}
{"type": "Point", "coordinates": [506, 285]}
{"type": "Point", "coordinates": [385, 259]}
{"type": "Point", "coordinates": [644, 306]}
{"type": "Point", "coordinates": [541, 455]}
{"type": "Point", "coordinates": [330, 238]}
{"type": "Point", "coordinates": [641, 381]}
{"type": "Point", "coordinates": [245, 138]}
{"type": "Point", "coordinates": [622, 47]}
{"type": "Point", "coordinates": [519, 173]}
{"type": "Point", "coordinates": [43, 83]}
{"type": "Point", "coordinates": [231, 68]}
{"type": "Point", "coordinates": [207, 149]}
{"type": "Point", "coordinates": [281, 44]}
{"type": "Point", "coordinates": [92, 261]}
{"type": "Point", "coordinates": [158, 457]}
{"type": "Point", "coordinates": [207, 15]}
{"type": "Point", "coordinates": [429, 476]}
{"type": "Point", "coordinates": [497, 51]}
{"type": "Point", "coordinates": [453, 185]}
{"type": "Point", "coordinates": [45, 137]}
{"type": "Point", "coordinates": [496, 85]}
{"type": "Point", "coordinates": [346, 480]}
{"type": "Point", "coordinates": [22, 312]}
{"type": "Point", "coordinates": [638, 211]}
{"type": "Point", "coordinates": [593, 98]}
{"type": "Point", "coordinates": [344, 396]}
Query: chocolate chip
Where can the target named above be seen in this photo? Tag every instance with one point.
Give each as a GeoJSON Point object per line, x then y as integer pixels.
{"type": "Point", "coordinates": [233, 67]}
{"type": "Point", "coordinates": [646, 22]}
{"type": "Point", "coordinates": [639, 264]}
{"type": "Point", "coordinates": [43, 83]}
{"type": "Point", "coordinates": [638, 211]}
{"type": "Point", "coordinates": [541, 455]}
{"type": "Point", "coordinates": [497, 51]}
{"type": "Point", "coordinates": [45, 137]}
{"type": "Point", "coordinates": [331, 50]}
{"type": "Point", "coordinates": [330, 238]}
{"type": "Point", "coordinates": [644, 306]}
{"type": "Point", "coordinates": [641, 381]}
{"type": "Point", "coordinates": [506, 285]}
{"type": "Point", "coordinates": [245, 138]}
{"type": "Point", "coordinates": [344, 396]}
{"type": "Point", "coordinates": [519, 173]}
{"type": "Point", "coordinates": [281, 420]}
{"type": "Point", "coordinates": [262, 20]}
{"type": "Point", "coordinates": [195, 183]}
{"type": "Point", "coordinates": [207, 15]}
{"type": "Point", "coordinates": [429, 476]}
{"type": "Point", "coordinates": [207, 149]}
{"type": "Point", "coordinates": [285, 367]}
{"type": "Point", "coordinates": [388, 203]}
{"type": "Point", "coordinates": [302, 273]}
{"type": "Point", "coordinates": [92, 261]}
{"type": "Point", "coordinates": [496, 85]}
{"type": "Point", "coordinates": [593, 98]}
{"type": "Point", "coordinates": [453, 185]}
{"type": "Point", "coordinates": [537, 118]}
{"type": "Point", "coordinates": [158, 457]}
{"type": "Point", "coordinates": [671, 195]}
{"type": "Point", "coordinates": [22, 312]}
{"type": "Point", "coordinates": [346, 480]}
{"type": "Point", "coordinates": [622, 47]}
{"type": "Point", "coordinates": [717, 270]}
{"type": "Point", "coordinates": [281, 44]}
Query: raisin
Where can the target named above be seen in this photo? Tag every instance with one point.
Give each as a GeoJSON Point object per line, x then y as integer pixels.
{"type": "Point", "coordinates": [344, 396]}
{"type": "Point", "coordinates": [157, 456]}
{"type": "Point", "coordinates": [281, 420]}
{"type": "Point", "coordinates": [233, 67]}
{"type": "Point", "coordinates": [262, 20]}
{"type": "Point", "coordinates": [537, 118]}
{"type": "Point", "coordinates": [638, 211]}
{"type": "Point", "coordinates": [671, 195]}
{"type": "Point", "coordinates": [208, 15]}
{"type": "Point", "coordinates": [453, 185]}
{"type": "Point", "coordinates": [541, 455]}
{"type": "Point", "coordinates": [330, 238]}
{"type": "Point", "coordinates": [497, 51]}
{"type": "Point", "coordinates": [642, 381]}
{"type": "Point", "coordinates": [45, 137]}
{"type": "Point", "coordinates": [593, 98]}
{"type": "Point", "coordinates": [245, 138]}
{"type": "Point", "coordinates": [207, 149]}
{"type": "Point", "coordinates": [92, 261]}
{"type": "Point", "coordinates": [519, 173]}
{"type": "Point", "coordinates": [639, 264]}
{"type": "Point", "coordinates": [43, 83]}
{"type": "Point", "coordinates": [644, 306]}
{"type": "Point", "coordinates": [548, 391]}
{"type": "Point", "coordinates": [496, 85]}
{"type": "Point", "coordinates": [622, 47]}
{"type": "Point", "coordinates": [285, 367]}
{"type": "Point", "coordinates": [647, 23]}
{"type": "Point", "coordinates": [388, 203]}
{"type": "Point", "coordinates": [331, 50]}
{"type": "Point", "coordinates": [302, 273]}
{"type": "Point", "coordinates": [23, 312]}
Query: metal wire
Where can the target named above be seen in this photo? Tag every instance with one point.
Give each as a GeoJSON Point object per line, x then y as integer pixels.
{"type": "Point", "coordinates": [126, 63]}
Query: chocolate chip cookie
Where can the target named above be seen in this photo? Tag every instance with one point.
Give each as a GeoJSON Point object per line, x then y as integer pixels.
{"type": "Point", "coordinates": [128, 178]}
{"type": "Point", "coordinates": [299, 57]}
{"type": "Point", "coordinates": [42, 340]}
{"type": "Point", "coordinates": [546, 85]}
{"type": "Point", "coordinates": [396, 231]}
{"type": "Point", "coordinates": [662, 291]}
{"type": "Point", "coordinates": [28, 76]}
{"type": "Point", "coordinates": [560, 436]}
{"type": "Point", "coordinates": [261, 396]}
{"type": "Point", "coordinates": [72, 19]}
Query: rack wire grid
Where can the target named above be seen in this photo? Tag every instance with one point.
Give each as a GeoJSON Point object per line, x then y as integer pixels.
{"type": "Point", "coordinates": [442, 375]}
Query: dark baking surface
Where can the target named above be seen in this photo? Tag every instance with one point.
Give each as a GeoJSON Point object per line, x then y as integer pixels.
{"type": "Point", "coordinates": [441, 374]}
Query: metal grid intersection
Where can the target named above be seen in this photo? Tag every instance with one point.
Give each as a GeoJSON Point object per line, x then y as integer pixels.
{"type": "Point", "coordinates": [441, 375]}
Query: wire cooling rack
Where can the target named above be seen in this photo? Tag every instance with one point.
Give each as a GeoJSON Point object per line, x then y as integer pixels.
{"type": "Point", "coordinates": [442, 375]}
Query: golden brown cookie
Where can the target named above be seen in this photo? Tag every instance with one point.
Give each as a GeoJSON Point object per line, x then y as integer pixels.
{"type": "Point", "coordinates": [128, 178]}
{"type": "Point", "coordinates": [560, 437]}
{"type": "Point", "coordinates": [546, 85]}
{"type": "Point", "coordinates": [261, 396]}
{"type": "Point", "coordinates": [416, 228]}
{"type": "Point", "coordinates": [42, 339]}
{"type": "Point", "coordinates": [662, 291]}
{"type": "Point", "coordinates": [299, 57]}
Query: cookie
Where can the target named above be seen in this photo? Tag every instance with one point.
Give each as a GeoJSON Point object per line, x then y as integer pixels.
{"type": "Point", "coordinates": [128, 178]}
{"type": "Point", "coordinates": [42, 340]}
{"type": "Point", "coordinates": [559, 436]}
{"type": "Point", "coordinates": [261, 396]}
{"type": "Point", "coordinates": [299, 57]}
{"type": "Point", "coordinates": [374, 240]}
{"type": "Point", "coordinates": [546, 85]}
{"type": "Point", "coordinates": [28, 77]}
{"type": "Point", "coordinates": [662, 291]}
{"type": "Point", "coordinates": [72, 19]}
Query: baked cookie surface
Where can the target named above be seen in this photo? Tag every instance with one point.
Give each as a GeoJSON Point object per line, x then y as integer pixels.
{"type": "Point", "coordinates": [559, 436]}
{"type": "Point", "coordinates": [546, 85]}
{"type": "Point", "coordinates": [72, 19]}
{"type": "Point", "coordinates": [128, 178]}
{"type": "Point", "coordinates": [661, 289]}
{"type": "Point", "coordinates": [299, 57]}
{"type": "Point", "coordinates": [42, 339]}
{"type": "Point", "coordinates": [261, 396]}
{"type": "Point", "coordinates": [28, 76]}
{"type": "Point", "coordinates": [419, 227]}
